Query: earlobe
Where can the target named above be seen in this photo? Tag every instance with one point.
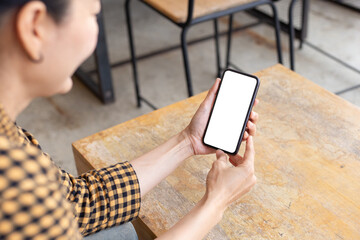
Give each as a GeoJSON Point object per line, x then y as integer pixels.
{"type": "Point", "coordinates": [40, 59]}
{"type": "Point", "coordinates": [30, 28]}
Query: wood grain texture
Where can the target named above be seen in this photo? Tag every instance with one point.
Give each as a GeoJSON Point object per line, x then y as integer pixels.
{"type": "Point", "coordinates": [307, 164]}
{"type": "Point", "coordinates": [178, 10]}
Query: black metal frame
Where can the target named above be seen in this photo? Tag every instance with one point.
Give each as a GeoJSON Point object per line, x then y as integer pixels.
{"type": "Point", "coordinates": [303, 30]}
{"type": "Point", "coordinates": [333, 57]}
{"type": "Point", "coordinates": [104, 89]}
{"type": "Point", "coordinates": [346, 5]}
{"type": "Point", "coordinates": [185, 27]}
{"type": "Point", "coordinates": [289, 28]}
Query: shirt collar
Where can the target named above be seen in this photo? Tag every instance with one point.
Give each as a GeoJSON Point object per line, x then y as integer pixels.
{"type": "Point", "coordinates": [9, 128]}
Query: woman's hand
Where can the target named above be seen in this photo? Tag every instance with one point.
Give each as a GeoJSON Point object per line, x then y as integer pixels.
{"type": "Point", "coordinates": [225, 184]}
{"type": "Point", "coordinates": [195, 130]}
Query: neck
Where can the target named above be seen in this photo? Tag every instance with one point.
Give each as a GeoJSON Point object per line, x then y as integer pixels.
{"type": "Point", "coordinates": [13, 98]}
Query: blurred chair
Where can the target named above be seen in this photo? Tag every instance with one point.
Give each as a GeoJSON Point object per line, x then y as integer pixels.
{"type": "Point", "coordinates": [187, 13]}
{"type": "Point", "coordinates": [287, 25]}
{"type": "Point", "coordinates": [291, 29]}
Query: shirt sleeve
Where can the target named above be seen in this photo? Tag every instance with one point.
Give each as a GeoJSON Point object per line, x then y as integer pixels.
{"type": "Point", "coordinates": [103, 198]}
{"type": "Point", "coordinates": [32, 202]}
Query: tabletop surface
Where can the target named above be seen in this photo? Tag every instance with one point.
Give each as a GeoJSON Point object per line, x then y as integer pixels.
{"type": "Point", "coordinates": [307, 164]}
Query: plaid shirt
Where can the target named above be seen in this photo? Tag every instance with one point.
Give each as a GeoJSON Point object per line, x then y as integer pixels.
{"type": "Point", "coordinates": [40, 201]}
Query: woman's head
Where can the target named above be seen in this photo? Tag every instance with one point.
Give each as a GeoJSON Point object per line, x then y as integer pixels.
{"type": "Point", "coordinates": [42, 42]}
{"type": "Point", "coordinates": [56, 8]}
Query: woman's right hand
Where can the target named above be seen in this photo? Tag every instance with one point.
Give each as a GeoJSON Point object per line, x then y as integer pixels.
{"type": "Point", "coordinates": [225, 183]}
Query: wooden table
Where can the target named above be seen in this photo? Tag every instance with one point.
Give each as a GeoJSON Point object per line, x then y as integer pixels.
{"type": "Point", "coordinates": [307, 164]}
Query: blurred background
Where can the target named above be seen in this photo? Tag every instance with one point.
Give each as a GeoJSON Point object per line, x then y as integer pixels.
{"type": "Point", "coordinates": [330, 57]}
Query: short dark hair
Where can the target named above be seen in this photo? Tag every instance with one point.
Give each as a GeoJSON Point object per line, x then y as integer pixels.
{"type": "Point", "coordinates": [56, 8]}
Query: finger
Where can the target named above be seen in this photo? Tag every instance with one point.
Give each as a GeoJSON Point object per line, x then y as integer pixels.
{"type": "Point", "coordinates": [210, 97]}
{"type": "Point", "coordinates": [249, 155]}
{"type": "Point", "coordinates": [221, 156]}
{"type": "Point", "coordinates": [246, 135]}
{"type": "Point", "coordinates": [251, 128]}
{"type": "Point", "coordinates": [232, 162]}
{"type": "Point", "coordinates": [254, 117]}
{"type": "Point", "coordinates": [236, 160]}
{"type": "Point", "coordinates": [256, 102]}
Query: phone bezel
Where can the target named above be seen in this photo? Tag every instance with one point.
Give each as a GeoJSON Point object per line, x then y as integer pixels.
{"type": "Point", "coordinates": [247, 115]}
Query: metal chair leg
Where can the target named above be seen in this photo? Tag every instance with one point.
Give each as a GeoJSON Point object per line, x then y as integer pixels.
{"type": "Point", "coordinates": [186, 60]}
{"type": "Point", "coordinates": [277, 32]}
{"type": "Point", "coordinates": [304, 22]}
{"type": "Point", "coordinates": [217, 48]}
{"type": "Point", "coordinates": [132, 52]}
{"type": "Point", "coordinates": [291, 34]}
{"type": "Point", "coordinates": [229, 36]}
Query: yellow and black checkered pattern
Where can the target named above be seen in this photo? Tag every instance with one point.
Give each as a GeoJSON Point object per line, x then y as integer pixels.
{"type": "Point", "coordinates": [36, 196]}
{"type": "Point", "coordinates": [104, 197]}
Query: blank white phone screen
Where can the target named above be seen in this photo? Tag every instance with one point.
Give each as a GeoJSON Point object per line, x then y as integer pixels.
{"type": "Point", "coordinates": [230, 111]}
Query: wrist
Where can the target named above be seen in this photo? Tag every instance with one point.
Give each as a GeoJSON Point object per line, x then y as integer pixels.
{"type": "Point", "coordinates": [185, 138]}
{"type": "Point", "coordinates": [217, 207]}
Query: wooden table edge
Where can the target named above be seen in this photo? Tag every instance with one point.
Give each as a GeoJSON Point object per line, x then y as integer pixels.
{"type": "Point", "coordinates": [82, 166]}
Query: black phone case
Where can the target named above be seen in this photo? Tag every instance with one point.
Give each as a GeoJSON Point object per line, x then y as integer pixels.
{"type": "Point", "coordinates": [247, 115]}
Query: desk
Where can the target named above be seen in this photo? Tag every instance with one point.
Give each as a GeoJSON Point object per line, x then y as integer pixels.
{"type": "Point", "coordinates": [307, 164]}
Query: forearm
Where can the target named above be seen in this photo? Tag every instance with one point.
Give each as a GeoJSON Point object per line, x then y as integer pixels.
{"type": "Point", "coordinates": [197, 223]}
{"type": "Point", "coordinates": [157, 164]}
{"type": "Point", "coordinates": [103, 197]}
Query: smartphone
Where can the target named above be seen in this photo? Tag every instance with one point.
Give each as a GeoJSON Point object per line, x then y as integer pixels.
{"type": "Point", "coordinates": [231, 111]}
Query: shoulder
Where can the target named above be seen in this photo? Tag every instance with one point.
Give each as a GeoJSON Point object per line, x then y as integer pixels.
{"type": "Point", "coordinates": [31, 193]}
{"type": "Point", "coordinates": [21, 162]}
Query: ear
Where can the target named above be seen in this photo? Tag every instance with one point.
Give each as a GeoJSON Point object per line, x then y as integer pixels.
{"type": "Point", "coordinates": [31, 28]}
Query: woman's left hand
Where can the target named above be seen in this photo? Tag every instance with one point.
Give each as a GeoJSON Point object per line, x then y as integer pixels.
{"type": "Point", "coordinates": [195, 130]}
